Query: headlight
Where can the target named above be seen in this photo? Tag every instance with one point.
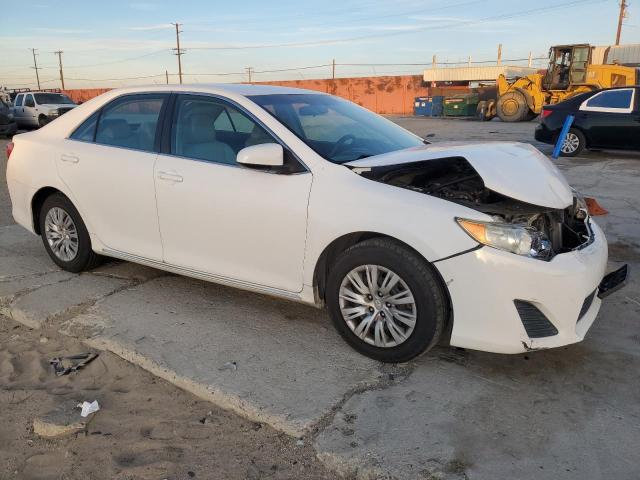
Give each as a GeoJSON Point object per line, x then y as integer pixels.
{"type": "Point", "coordinates": [54, 112]}
{"type": "Point", "coordinates": [518, 239]}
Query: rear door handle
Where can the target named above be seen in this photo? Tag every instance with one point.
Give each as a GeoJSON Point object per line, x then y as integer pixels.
{"type": "Point", "coordinates": [170, 177]}
{"type": "Point", "coordinates": [70, 158]}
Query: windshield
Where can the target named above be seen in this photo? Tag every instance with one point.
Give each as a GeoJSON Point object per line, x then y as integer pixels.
{"type": "Point", "coordinates": [338, 130]}
{"type": "Point", "coordinates": [52, 99]}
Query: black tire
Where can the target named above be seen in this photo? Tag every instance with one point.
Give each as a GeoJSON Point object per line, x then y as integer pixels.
{"type": "Point", "coordinates": [85, 258]}
{"type": "Point", "coordinates": [512, 107]}
{"type": "Point", "coordinates": [425, 286]}
{"type": "Point", "coordinates": [42, 121]}
{"type": "Point", "coordinates": [575, 137]}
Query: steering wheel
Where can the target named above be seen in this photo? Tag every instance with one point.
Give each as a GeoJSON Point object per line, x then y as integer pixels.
{"type": "Point", "coordinates": [341, 143]}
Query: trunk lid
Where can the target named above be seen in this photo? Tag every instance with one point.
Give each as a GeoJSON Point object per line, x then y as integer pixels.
{"type": "Point", "coordinates": [516, 170]}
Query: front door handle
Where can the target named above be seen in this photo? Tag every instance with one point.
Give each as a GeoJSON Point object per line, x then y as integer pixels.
{"type": "Point", "coordinates": [69, 157]}
{"type": "Point", "coordinates": [170, 177]}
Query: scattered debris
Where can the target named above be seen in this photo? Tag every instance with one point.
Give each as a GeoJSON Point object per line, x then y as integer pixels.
{"type": "Point", "coordinates": [88, 408]}
{"type": "Point", "coordinates": [72, 363]}
{"type": "Point", "coordinates": [233, 366]}
{"type": "Point", "coordinates": [61, 421]}
{"type": "Point", "coordinates": [300, 442]}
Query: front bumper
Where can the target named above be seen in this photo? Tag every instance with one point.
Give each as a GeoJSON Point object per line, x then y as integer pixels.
{"type": "Point", "coordinates": [485, 283]}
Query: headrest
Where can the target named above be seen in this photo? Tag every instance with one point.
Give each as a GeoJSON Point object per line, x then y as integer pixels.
{"type": "Point", "coordinates": [113, 129]}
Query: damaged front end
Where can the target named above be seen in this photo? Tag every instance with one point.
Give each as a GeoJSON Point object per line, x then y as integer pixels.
{"type": "Point", "coordinates": [517, 226]}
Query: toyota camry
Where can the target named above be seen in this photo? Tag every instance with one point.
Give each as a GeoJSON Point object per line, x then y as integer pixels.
{"type": "Point", "coordinates": [306, 196]}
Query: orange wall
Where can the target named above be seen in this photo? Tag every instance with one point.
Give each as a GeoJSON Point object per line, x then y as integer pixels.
{"type": "Point", "coordinates": [83, 94]}
{"type": "Point", "coordinates": [389, 95]}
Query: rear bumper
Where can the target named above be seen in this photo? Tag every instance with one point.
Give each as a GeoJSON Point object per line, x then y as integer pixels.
{"type": "Point", "coordinates": [484, 286]}
{"type": "Point", "coordinates": [544, 134]}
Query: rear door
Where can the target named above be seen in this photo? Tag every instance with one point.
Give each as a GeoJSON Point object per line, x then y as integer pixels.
{"type": "Point", "coordinates": [608, 118]}
{"type": "Point", "coordinates": [108, 165]}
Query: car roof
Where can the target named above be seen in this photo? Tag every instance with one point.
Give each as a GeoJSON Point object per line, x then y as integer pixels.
{"type": "Point", "coordinates": [242, 89]}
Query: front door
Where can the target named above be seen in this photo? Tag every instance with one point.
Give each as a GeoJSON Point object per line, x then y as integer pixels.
{"type": "Point", "coordinates": [608, 119]}
{"type": "Point", "coordinates": [18, 109]}
{"type": "Point", "coordinates": [30, 113]}
{"type": "Point", "coordinates": [108, 166]}
{"type": "Point", "coordinates": [216, 216]}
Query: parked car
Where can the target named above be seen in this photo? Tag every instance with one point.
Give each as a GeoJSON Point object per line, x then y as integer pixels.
{"type": "Point", "coordinates": [604, 119]}
{"type": "Point", "coordinates": [36, 109]}
{"type": "Point", "coordinates": [8, 125]}
{"type": "Point", "coordinates": [308, 197]}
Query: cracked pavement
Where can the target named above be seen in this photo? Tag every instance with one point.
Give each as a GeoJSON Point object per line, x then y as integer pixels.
{"type": "Point", "coordinates": [569, 413]}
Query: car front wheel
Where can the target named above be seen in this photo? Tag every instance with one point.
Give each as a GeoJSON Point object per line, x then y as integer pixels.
{"type": "Point", "coordinates": [65, 236]}
{"type": "Point", "coordinates": [386, 301]}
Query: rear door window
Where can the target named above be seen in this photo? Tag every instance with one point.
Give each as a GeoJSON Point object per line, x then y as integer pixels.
{"type": "Point", "coordinates": [130, 122]}
{"type": "Point", "coordinates": [612, 101]}
{"type": "Point", "coordinates": [18, 102]}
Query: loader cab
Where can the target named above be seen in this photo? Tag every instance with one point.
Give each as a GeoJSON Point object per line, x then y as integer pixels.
{"type": "Point", "coordinates": [567, 66]}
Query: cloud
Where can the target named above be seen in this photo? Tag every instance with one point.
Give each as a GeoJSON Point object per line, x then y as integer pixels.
{"type": "Point", "coordinates": [159, 26]}
{"type": "Point", "coordinates": [144, 6]}
{"type": "Point", "coordinates": [60, 31]}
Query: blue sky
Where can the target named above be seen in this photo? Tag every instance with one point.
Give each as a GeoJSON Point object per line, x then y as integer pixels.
{"type": "Point", "coordinates": [108, 41]}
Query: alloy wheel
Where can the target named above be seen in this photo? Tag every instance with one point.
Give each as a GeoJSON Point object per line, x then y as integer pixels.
{"type": "Point", "coordinates": [378, 306]}
{"type": "Point", "coordinates": [571, 143]}
{"type": "Point", "coordinates": [61, 234]}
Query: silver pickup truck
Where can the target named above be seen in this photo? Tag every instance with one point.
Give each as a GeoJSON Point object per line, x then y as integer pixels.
{"type": "Point", "coordinates": [36, 109]}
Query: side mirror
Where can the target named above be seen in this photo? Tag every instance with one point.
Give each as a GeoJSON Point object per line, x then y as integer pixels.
{"type": "Point", "coordinates": [262, 155]}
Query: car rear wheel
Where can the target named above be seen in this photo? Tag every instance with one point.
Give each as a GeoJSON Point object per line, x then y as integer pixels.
{"type": "Point", "coordinates": [573, 143]}
{"type": "Point", "coordinates": [65, 236]}
{"type": "Point", "coordinates": [386, 301]}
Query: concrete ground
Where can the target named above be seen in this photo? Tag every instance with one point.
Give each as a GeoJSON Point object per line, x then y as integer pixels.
{"type": "Point", "coordinates": [569, 413]}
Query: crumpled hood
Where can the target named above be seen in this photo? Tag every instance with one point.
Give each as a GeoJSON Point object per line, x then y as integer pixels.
{"type": "Point", "coordinates": [516, 170]}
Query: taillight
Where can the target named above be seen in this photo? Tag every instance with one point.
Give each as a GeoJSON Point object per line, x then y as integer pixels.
{"type": "Point", "coordinates": [9, 149]}
{"type": "Point", "coordinates": [546, 113]}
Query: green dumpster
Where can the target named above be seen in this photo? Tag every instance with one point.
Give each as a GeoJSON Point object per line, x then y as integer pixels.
{"type": "Point", "coordinates": [462, 105]}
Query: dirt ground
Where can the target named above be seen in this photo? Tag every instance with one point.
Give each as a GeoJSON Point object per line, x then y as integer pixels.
{"type": "Point", "coordinates": [146, 428]}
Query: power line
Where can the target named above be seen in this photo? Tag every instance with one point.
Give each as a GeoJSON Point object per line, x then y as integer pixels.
{"type": "Point", "coordinates": [114, 79]}
{"type": "Point", "coordinates": [404, 32]}
{"type": "Point", "coordinates": [164, 50]}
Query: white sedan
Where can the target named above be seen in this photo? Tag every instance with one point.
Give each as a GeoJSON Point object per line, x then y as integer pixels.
{"type": "Point", "coordinates": [308, 197]}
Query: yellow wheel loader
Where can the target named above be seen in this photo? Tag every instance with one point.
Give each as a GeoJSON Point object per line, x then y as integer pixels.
{"type": "Point", "coordinates": [570, 72]}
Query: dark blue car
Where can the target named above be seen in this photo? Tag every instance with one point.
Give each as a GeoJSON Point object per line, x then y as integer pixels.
{"type": "Point", "coordinates": [604, 119]}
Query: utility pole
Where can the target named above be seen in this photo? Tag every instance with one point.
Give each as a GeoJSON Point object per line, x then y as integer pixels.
{"type": "Point", "coordinates": [179, 51]}
{"type": "Point", "coordinates": [333, 69]}
{"type": "Point", "coordinates": [623, 14]}
{"type": "Point", "coordinates": [530, 58]}
{"type": "Point", "coordinates": [59, 53]}
{"type": "Point", "coordinates": [166, 73]}
{"type": "Point", "coordinates": [249, 71]}
{"type": "Point", "coordinates": [499, 53]}
{"type": "Point", "coordinates": [35, 66]}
